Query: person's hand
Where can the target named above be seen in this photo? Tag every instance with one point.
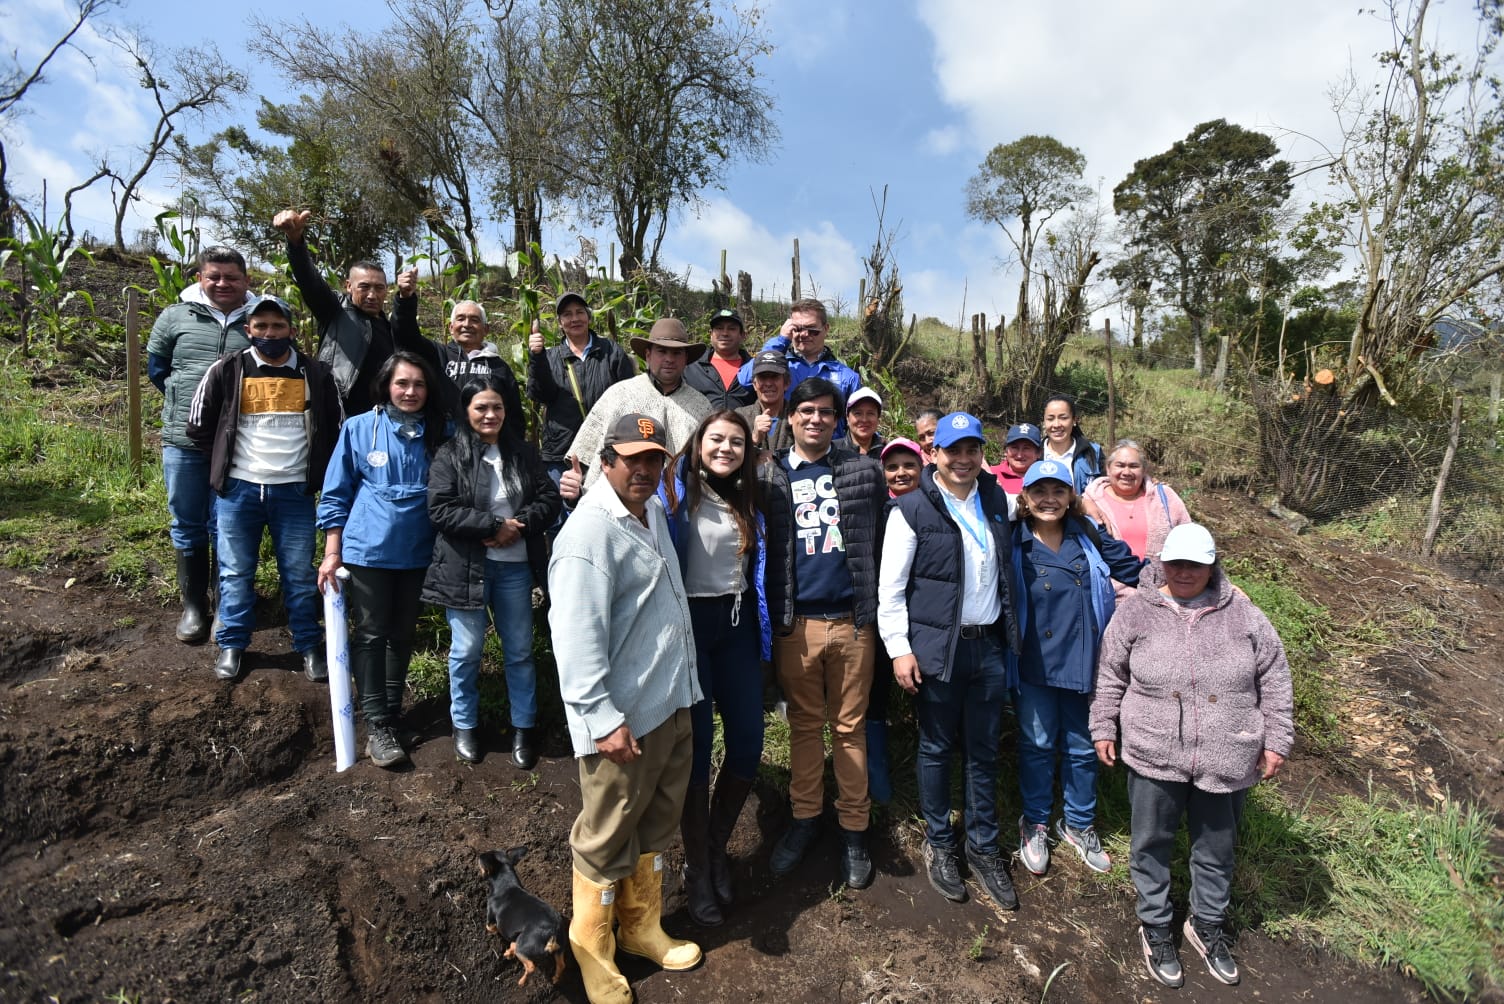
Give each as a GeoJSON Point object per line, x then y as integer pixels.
{"type": "Point", "coordinates": [906, 672]}
{"type": "Point", "coordinates": [535, 340]}
{"type": "Point", "coordinates": [1107, 752]}
{"type": "Point", "coordinates": [510, 532]}
{"type": "Point", "coordinates": [786, 330]}
{"type": "Point", "coordinates": [761, 426]}
{"type": "Point", "coordinates": [292, 223]}
{"type": "Point", "coordinates": [407, 282]}
{"type": "Point", "coordinates": [328, 572]}
{"type": "Point", "coordinates": [572, 481]}
{"type": "Point", "coordinates": [1270, 763]}
{"type": "Point", "coordinates": [620, 746]}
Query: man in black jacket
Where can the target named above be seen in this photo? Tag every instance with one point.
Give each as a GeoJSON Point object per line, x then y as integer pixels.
{"type": "Point", "coordinates": [356, 337]}
{"type": "Point", "coordinates": [824, 508]}
{"type": "Point", "coordinates": [715, 373]}
{"type": "Point", "coordinates": [267, 417]}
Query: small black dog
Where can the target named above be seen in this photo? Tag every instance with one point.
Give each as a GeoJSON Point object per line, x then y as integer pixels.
{"type": "Point", "coordinates": [532, 929]}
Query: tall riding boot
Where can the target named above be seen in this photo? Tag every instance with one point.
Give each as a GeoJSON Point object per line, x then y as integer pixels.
{"type": "Point", "coordinates": [879, 784]}
{"type": "Point", "coordinates": [594, 947]}
{"type": "Point", "coordinates": [725, 808]}
{"type": "Point", "coordinates": [694, 828]}
{"type": "Point", "coordinates": [193, 585]}
{"type": "Point", "coordinates": [639, 908]}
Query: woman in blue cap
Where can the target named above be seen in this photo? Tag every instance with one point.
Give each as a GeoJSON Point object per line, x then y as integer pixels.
{"type": "Point", "coordinates": [1063, 568]}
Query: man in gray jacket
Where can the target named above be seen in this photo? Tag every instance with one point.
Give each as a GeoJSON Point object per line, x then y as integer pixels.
{"type": "Point", "coordinates": [207, 322]}
{"type": "Point", "coordinates": [625, 650]}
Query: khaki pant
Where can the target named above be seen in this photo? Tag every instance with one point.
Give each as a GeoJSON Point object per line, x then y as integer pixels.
{"type": "Point", "coordinates": [632, 809]}
{"type": "Point", "coordinates": [825, 670]}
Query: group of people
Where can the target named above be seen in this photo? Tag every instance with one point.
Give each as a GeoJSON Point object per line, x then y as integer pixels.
{"type": "Point", "coordinates": [719, 513]}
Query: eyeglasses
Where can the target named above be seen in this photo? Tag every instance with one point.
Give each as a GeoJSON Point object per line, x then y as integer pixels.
{"type": "Point", "coordinates": [806, 411]}
{"type": "Point", "coordinates": [806, 329]}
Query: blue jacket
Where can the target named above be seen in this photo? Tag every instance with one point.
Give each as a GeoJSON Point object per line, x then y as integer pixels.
{"type": "Point", "coordinates": [934, 595]}
{"type": "Point", "coordinates": [1063, 602]}
{"type": "Point", "coordinates": [678, 523]}
{"type": "Point", "coordinates": [376, 488]}
{"type": "Point", "coordinates": [846, 379]}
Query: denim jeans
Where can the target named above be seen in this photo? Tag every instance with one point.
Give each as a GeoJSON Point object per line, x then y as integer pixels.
{"type": "Point", "coordinates": [729, 662]}
{"type": "Point", "coordinates": [1052, 722]}
{"type": "Point", "coordinates": [509, 595]}
{"type": "Point", "coordinates": [962, 714]}
{"type": "Point", "coordinates": [244, 511]}
{"type": "Point", "coordinates": [190, 500]}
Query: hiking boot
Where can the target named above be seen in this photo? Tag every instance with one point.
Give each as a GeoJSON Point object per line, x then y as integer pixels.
{"type": "Point", "coordinates": [383, 748]}
{"type": "Point", "coordinates": [856, 863]}
{"type": "Point", "coordinates": [989, 870]}
{"type": "Point", "coordinates": [1034, 846]}
{"type": "Point", "coordinates": [1086, 844]}
{"type": "Point", "coordinates": [944, 869]}
{"type": "Point", "coordinates": [1213, 944]}
{"type": "Point", "coordinates": [1160, 957]}
{"type": "Point", "coordinates": [793, 845]}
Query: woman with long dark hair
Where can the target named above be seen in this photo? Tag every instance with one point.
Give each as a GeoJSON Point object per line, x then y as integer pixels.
{"type": "Point", "coordinates": [492, 502]}
{"type": "Point", "coordinates": [717, 526]}
{"type": "Point", "coordinates": [1065, 443]}
{"type": "Point", "coordinates": [374, 513]}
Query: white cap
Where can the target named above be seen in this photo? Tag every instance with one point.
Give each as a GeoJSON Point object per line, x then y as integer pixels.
{"type": "Point", "coordinates": [1189, 542]}
{"type": "Point", "coordinates": [864, 394]}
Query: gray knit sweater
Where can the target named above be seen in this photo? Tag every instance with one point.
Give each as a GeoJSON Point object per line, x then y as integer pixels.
{"type": "Point", "coordinates": [1195, 698]}
{"type": "Point", "coordinates": [622, 637]}
{"type": "Point", "coordinates": [680, 412]}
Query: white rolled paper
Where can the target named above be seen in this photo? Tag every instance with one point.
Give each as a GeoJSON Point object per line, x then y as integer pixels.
{"type": "Point", "coordinates": [337, 648]}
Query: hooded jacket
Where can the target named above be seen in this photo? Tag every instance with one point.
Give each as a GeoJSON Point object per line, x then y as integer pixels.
{"type": "Point", "coordinates": [1194, 697]}
{"type": "Point", "coordinates": [185, 341]}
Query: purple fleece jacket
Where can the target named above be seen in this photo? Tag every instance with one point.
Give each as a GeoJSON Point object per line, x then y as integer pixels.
{"type": "Point", "coordinates": [1196, 699]}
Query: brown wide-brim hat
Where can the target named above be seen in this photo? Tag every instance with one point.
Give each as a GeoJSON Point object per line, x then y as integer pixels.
{"type": "Point", "coordinates": [669, 333]}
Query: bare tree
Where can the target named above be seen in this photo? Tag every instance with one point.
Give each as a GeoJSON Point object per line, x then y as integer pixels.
{"type": "Point", "coordinates": [194, 81]}
{"type": "Point", "coordinates": [16, 80]}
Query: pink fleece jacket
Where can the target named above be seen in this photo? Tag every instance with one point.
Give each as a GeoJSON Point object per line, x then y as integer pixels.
{"type": "Point", "coordinates": [1159, 521]}
{"type": "Point", "coordinates": [1195, 699]}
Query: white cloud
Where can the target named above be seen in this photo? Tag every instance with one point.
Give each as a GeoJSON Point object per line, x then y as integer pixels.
{"type": "Point", "coordinates": [942, 142]}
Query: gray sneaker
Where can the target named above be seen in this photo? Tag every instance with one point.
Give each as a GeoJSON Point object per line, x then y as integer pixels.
{"type": "Point", "coordinates": [1034, 846]}
{"type": "Point", "coordinates": [383, 748]}
{"type": "Point", "coordinates": [1086, 844]}
{"type": "Point", "coordinates": [1213, 944]}
{"type": "Point", "coordinates": [1160, 957]}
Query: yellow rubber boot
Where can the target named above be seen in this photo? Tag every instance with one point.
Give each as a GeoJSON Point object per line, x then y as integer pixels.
{"type": "Point", "coordinates": [594, 947]}
{"type": "Point", "coordinates": [640, 910]}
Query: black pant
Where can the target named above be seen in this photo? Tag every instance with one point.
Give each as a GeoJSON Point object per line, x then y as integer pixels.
{"type": "Point", "coordinates": [384, 607]}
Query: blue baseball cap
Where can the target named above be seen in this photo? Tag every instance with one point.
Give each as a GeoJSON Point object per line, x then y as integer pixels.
{"type": "Point", "coordinates": [1049, 470]}
{"type": "Point", "coordinates": [956, 426]}
{"type": "Point", "coordinates": [1024, 431]}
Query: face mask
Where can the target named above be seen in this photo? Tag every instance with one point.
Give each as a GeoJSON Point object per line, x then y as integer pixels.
{"type": "Point", "coordinates": [271, 348]}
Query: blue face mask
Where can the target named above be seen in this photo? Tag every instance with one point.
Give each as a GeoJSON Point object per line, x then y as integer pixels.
{"type": "Point", "coordinates": [271, 348]}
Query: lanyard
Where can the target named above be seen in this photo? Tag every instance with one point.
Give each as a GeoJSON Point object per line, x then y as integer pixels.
{"type": "Point", "coordinates": [980, 536]}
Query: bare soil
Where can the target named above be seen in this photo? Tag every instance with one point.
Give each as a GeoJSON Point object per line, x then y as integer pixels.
{"type": "Point", "coordinates": [172, 838]}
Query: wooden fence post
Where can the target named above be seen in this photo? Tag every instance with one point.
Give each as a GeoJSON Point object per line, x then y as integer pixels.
{"type": "Point", "coordinates": [1112, 398]}
{"type": "Point", "coordinates": [133, 381]}
{"type": "Point", "coordinates": [1433, 520]}
{"type": "Point", "coordinates": [1493, 412]}
{"type": "Point", "coordinates": [794, 290]}
{"type": "Point", "coordinates": [744, 294]}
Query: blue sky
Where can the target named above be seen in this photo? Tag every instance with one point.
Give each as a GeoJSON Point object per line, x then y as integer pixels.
{"type": "Point", "coordinates": [905, 94]}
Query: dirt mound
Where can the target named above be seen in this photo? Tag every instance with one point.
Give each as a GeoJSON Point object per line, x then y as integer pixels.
{"type": "Point", "coordinates": [171, 838]}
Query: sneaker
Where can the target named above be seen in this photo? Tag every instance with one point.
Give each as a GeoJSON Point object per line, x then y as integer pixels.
{"type": "Point", "coordinates": [944, 869]}
{"type": "Point", "coordinates": [1086, 844]}
{"type": "Point", "coordinates": [793, 845]}
{"type": "Point", "coordinates": [383, 748]}
{"type": "Point", "coordinates": [1034, 846]}
{"type": "Point", "coordinates": [1160, 957]}
{"type": "Point", "coordinates": [1212, 942]}
{"type": "Point", "coordinates": [988, 869]}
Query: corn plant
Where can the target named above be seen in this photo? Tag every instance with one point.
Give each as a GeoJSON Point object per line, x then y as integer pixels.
{"type": "Point", "coordinates": [39, 297]}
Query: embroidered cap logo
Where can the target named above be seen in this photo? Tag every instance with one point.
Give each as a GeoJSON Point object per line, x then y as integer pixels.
{"type": "Point", "coordinates": [645, 427]}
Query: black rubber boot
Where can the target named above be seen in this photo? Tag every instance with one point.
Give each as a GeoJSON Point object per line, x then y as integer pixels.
{"type": "Point", "coordinates": [694, 828]}
{"type": "Point", "coordinates": [193, 585]}
{"type": "Point", "coordinates": [725, 808]}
